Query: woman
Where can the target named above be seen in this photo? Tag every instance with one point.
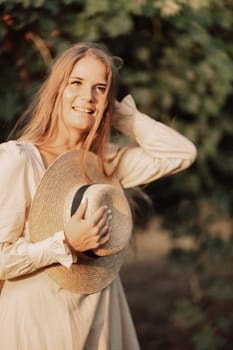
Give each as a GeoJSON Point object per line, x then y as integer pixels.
{"type": "Point", "coordinates": [73, 110]}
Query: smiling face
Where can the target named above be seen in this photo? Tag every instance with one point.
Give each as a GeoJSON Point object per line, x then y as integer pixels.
{"type": "Point", "coordinates": [84, 98]}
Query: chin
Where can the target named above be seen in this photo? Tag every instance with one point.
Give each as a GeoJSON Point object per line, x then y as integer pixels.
{"type": "Point", "coordinates": [84, 129]}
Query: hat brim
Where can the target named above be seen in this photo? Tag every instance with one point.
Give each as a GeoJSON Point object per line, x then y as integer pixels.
{"type": "Point", "coordinates": [50, 210]}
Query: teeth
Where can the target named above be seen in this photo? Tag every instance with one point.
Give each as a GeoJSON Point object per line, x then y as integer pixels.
{"type": "Point", "coordinates": [82, 110]}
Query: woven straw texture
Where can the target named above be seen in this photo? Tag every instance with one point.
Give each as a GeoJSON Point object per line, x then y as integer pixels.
{"type": "Point", "coordinates": [51, 210]}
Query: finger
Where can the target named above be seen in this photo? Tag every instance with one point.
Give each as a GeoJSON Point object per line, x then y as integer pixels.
{"type": "Point", "coordinates": [106, 229]}
{"type": "Point", "coordinates": [102, 222]}
{"type": "Point", "coordinates": [105, 223]}
{"type": "Point", "coordinates": [103, 231]}
{"type": "Point", "coordinates": [117, 105]}
{"type": "Point", "coordinates": [106, 216]}
{"type": "Point", "coordinates": [80, 212]}
{"type": "Point", "coordinates": [104, 239]}
{"type": "Point", "coordinates": [99, 214]}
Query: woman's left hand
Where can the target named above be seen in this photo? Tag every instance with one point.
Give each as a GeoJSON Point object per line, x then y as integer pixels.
{"type": "Point", "coordinates": [124, 110]}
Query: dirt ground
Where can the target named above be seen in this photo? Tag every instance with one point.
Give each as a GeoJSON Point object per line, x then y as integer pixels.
{"type": "Point", "coordinates": [151, 290]}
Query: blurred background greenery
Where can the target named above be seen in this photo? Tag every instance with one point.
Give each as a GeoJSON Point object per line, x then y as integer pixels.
{"type": "Point", "coordinates": [178, 66]}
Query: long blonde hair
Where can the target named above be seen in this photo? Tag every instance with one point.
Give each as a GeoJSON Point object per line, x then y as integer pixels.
{"type": "Point", "coordinates": [38, 122]}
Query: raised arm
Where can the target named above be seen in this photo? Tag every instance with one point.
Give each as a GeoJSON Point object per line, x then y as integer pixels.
{"type": "Point", "coordinates": [160, 150]}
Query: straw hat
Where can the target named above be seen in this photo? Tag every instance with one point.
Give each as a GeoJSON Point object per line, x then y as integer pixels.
{"type": "Point", "coordinates": [56, 199]}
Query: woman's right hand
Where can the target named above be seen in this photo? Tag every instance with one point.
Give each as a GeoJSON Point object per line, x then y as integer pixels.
{"type": "Point", "coordinates": [86, 234]}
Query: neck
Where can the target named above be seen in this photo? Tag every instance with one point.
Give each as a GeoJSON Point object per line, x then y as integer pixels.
{"type": "Point", "coordinates": [52, 148]}
{"type": "Point", "coordinates": [61, 143]}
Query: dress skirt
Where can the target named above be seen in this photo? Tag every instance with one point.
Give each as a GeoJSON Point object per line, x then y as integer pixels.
{"type": "Point", "coordinates": [36, 314]}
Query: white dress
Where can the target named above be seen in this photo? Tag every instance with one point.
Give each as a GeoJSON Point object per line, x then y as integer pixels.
{"type": "Point", "coordinates": [35, 313]}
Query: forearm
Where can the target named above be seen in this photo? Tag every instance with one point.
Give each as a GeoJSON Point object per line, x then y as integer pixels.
{"type": "Point", "coordinates": [159, 151]}
{"type": "Point", "coordinates": [23, 257]}
{"type": "Point", "coordinates": [159, 140]}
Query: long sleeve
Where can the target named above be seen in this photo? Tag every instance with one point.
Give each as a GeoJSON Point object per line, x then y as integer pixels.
{"type": "Point", "coordinates": [22, 256]}
{"type": "Point", "coordinates": [18, 255]}
{"type": "Point", "coordinates": [160, 150]}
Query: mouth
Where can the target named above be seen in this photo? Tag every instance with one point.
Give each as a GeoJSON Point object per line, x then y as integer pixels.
{"type": "Point", "coordinates": [83, 110]}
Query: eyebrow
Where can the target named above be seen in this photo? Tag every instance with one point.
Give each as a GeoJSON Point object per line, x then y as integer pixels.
{"type": "Point", "coordinates": [79, 78]}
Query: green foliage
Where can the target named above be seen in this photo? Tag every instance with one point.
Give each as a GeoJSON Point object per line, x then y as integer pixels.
{"type": "Point", "coordinates": [178, 66]}
{"type": "Point", "coordinates": [188, 314]}
{"type": "Point", "coordinates": [207, 339]}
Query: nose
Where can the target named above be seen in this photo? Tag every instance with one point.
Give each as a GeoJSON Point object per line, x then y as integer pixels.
{"type": "Point", "coordinates": [86, 93]}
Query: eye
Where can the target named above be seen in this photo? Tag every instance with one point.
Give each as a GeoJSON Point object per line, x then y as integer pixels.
{"type": "Point", "coordinates": [101, 89]}
{"type": "Point", "coordinates": [76, 82]}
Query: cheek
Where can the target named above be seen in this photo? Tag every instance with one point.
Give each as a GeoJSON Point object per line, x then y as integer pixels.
{"type": "Point", "coordinates": [67, 95]}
